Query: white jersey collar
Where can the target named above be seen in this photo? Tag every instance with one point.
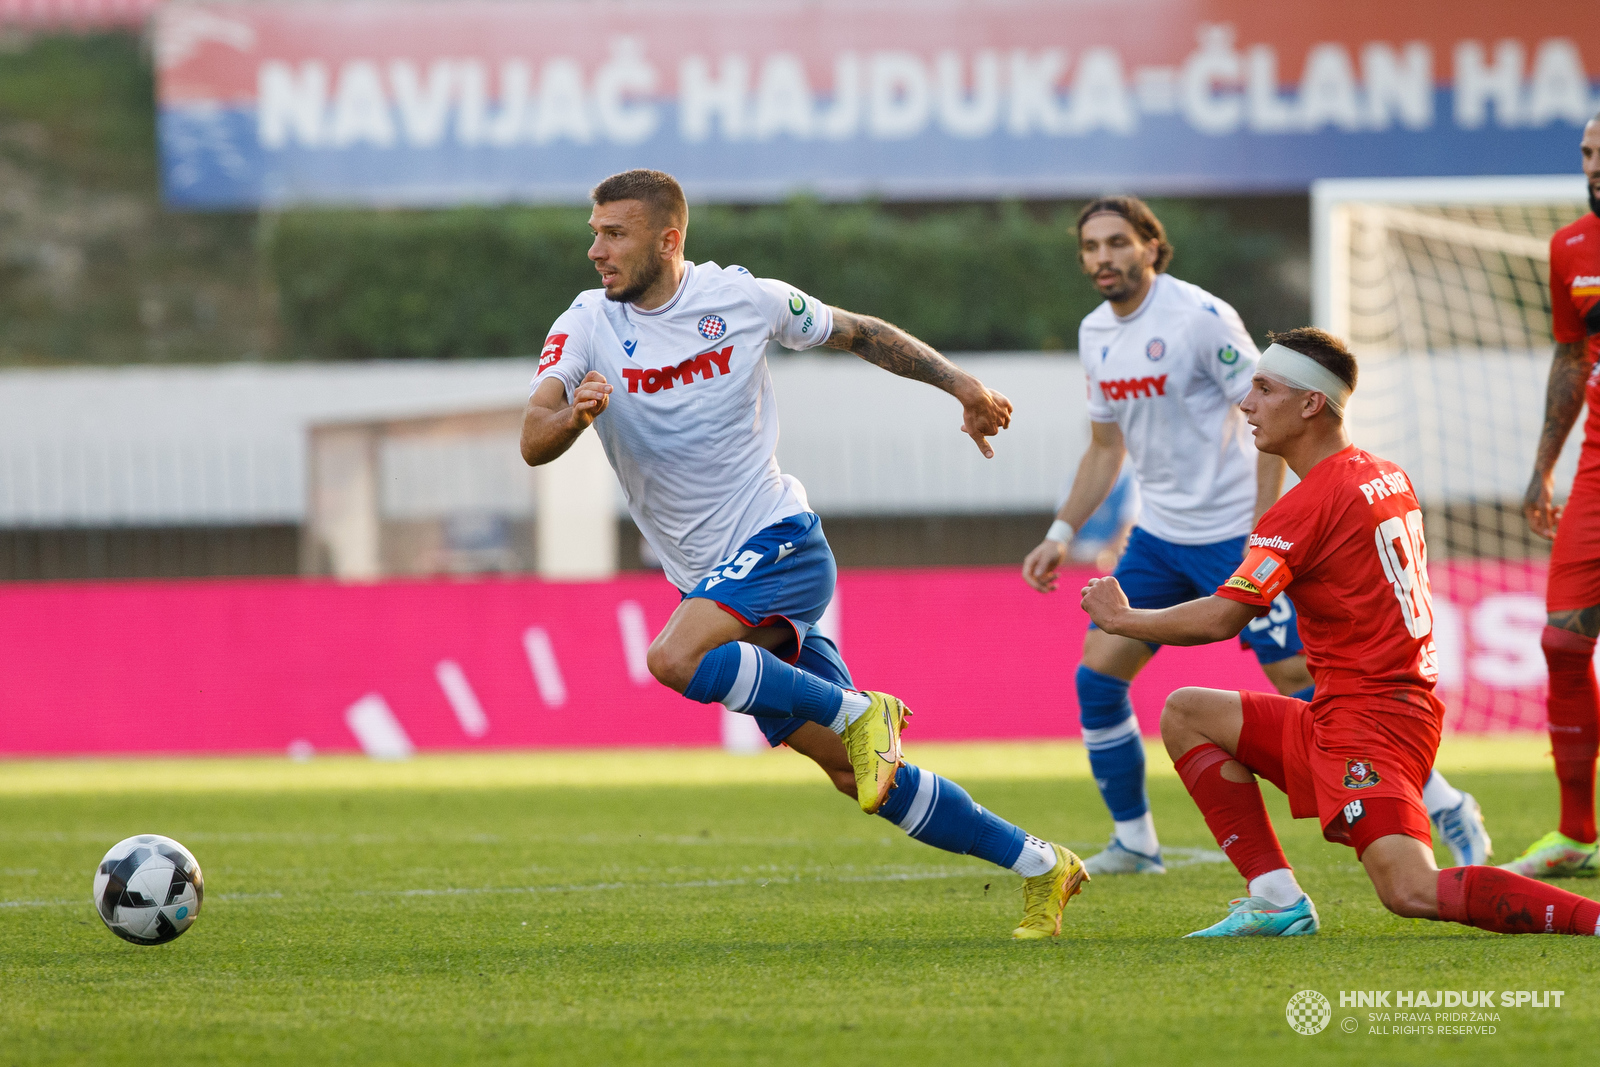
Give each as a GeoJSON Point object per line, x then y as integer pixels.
{"type": "Point", "coordinates": [683, 287]}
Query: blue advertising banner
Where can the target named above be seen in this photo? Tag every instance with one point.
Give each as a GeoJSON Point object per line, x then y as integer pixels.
{"type": "Point", "coordinates": [490, 102]}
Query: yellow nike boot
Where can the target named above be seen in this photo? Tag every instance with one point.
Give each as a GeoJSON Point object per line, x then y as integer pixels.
{"type": "Point", "coordinates": [873, 742]}
{"type": "Point", "coordinates": [1044, 895]}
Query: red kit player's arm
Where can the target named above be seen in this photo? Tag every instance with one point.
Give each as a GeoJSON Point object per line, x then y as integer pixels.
{"type": "Point", "coordinates": [1198, 622]}
{"type": "Point", "coordinates": [1569, 373]}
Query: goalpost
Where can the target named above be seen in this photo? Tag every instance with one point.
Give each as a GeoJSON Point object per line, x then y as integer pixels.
{"type": "Point", "coordinates": [1441, 286]}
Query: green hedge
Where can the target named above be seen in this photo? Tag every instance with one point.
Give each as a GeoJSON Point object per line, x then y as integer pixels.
{"type": "Point", "coordinates": [92, 269]}
{"type": "Point", "coordinates": [488, 282]}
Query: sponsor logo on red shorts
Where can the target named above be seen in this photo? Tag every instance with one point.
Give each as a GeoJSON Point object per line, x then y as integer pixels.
{"type": "Point", "coordinates": [1360, 773]}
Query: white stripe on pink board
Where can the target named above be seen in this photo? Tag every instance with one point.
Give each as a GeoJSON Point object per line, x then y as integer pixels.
{"type": "Point", "coordinates": [377, 730]}
{"type": "Point", "coordinates": [635, 640]}
{"type": "Point", "coordinates": [546, 671]}
{"type": "Point", "coordinates": [829, 625]}
{"type": "Point", "coordinates": [463, 701]}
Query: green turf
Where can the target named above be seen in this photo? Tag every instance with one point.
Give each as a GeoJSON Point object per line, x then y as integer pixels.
{"type": "Point", "coordinates": [737, 924]}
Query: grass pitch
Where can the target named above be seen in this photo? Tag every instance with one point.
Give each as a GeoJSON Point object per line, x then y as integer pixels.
{"type": "Point", "coordinates": [608, 908]}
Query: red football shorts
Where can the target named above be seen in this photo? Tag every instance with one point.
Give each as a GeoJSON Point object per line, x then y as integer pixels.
{"type": "Point", "coordinates": [1359, 773]}
{"type": "Point", "coordinates": [1575, 557]}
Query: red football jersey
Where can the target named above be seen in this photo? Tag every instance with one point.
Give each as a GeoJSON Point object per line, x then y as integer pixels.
{"type": "Point", "coordinates": [1575, 302]}
{"type": "Point", "coordinates": [1347, 546]}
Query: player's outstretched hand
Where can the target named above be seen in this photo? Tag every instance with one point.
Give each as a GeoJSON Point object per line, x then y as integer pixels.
{"type": "Point", "coordinates": [984, 413]}
{"type": "Point", "coordinates": [1104, 599]}
{"type": "Point", "coordinates": [1543, 513]}
{"type": "Point", "coordinates": [590, 399]}
{"type": "Point", "coordinates": [1039, 569]}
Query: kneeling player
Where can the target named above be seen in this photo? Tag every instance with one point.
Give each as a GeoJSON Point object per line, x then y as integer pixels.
{"type": "Point", "coordinates": [1203, 485]}
{"type": "Point", "coordinates": [1347, 546]}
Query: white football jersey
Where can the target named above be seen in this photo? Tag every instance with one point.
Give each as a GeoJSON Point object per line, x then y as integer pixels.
{"type": "Point", "coordinates": [1171, 375]}
{"type": "Point", "coordinates": [692, 427]}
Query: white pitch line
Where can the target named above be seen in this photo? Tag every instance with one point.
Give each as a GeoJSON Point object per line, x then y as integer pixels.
{"type": "Point", "coordinates": [704, 883]}
{"type": "Point", "coordinates": [1189, 857]}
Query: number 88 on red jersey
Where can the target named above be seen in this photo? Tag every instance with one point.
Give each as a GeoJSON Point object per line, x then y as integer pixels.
{"type": "Point", "coordinates": [1347, 545]}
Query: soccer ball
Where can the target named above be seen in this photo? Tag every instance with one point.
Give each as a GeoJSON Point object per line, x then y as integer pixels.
{"type": "Point", "coordinates": [148, 889]}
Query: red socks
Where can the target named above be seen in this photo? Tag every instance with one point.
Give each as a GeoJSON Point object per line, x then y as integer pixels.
{"type": "Point", "coordinates": [1492, 899]}
{"type": "Point", "coordinates": [1233, 810]}
{"type": "Point", "coordinates": [1574, 726]}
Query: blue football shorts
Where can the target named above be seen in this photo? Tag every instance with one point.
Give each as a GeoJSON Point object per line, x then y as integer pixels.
{"type": "Point", "coordinates": [783, 576]}
{"type": "Point", "coordinates": [1159, 574]}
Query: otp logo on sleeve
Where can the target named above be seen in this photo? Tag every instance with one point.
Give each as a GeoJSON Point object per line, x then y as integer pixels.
{"type": "Point", "coordinates": [551, 355]}
{"type": "Point", "coordinates": [712, 327]}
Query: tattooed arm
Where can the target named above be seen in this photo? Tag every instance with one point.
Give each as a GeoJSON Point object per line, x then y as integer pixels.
{"type": "Point", "coordinates": [1569, 371]}
{"type": "Point", "coordinates": [984, 412]}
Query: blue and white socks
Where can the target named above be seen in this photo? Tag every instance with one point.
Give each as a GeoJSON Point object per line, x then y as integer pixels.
{"type": "Point", "coordinates": [934, 810]}
{"type": "Point", "coordinates": [1116, 756]}
{"type": "Point", "coordinates": [747, 678]}
{"type": "Point", "coordinates": [1439, 796]}
{"type": "Point", "coordinates": [938, 812]}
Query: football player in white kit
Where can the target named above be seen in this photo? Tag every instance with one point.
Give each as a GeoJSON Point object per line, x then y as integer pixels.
{"type": "Point", "coordinates": [667, 362]}
{"type": "Point", "coordinates": [1167, 365]}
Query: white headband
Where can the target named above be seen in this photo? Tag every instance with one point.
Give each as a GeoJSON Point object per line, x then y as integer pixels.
{"type": "Point", "coordinates": [1302, 372]}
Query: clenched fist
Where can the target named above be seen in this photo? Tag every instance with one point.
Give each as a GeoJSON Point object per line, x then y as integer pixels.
{"type": "Point", "coordinates": [1104, 600]}
{"type": "Point", "coordinates": [590, 398]}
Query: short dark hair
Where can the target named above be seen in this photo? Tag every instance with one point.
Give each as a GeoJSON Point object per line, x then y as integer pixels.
{"type": "Point", "coordinates": [1139, 216]}
{"type": "Point", "coordinates": [656, 189]}
{"type": "Point", "coordinates": [1322, 346]}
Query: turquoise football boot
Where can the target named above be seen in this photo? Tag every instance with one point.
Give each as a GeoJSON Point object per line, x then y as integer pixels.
{"type": "Point", "coordinates": [1259, 917]}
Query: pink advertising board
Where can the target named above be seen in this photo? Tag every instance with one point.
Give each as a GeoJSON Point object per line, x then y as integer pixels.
{"type": "Point", "coordinates": [314, 666]}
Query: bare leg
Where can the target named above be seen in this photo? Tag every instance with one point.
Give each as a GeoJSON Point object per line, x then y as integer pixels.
{"type": "Point", "coordinates": [1403, 872]}
{"type": "Point", "coordinates": [1288, 676]}
{"type": "Point", "coordinates": [826, 749]}
{"type": "Point", "coordinates": [695, 628]}
{"type": "Point", "coordinates": [1119, 657]}
{"type": "Point", "coordinates": [1195, 716]}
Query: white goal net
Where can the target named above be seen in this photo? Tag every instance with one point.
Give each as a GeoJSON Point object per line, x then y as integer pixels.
{"type": "Point", "coordinates": [1442, 288]}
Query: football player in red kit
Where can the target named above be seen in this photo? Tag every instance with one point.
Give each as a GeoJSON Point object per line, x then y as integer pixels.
{"type": "Point", "coordinates": [1347, 546]}
{"type": "Point", "coordinates": [1573, 597]}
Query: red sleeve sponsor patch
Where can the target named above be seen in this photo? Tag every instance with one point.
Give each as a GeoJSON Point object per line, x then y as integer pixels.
{"type": "Point", "coordinates": [551, 355]}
